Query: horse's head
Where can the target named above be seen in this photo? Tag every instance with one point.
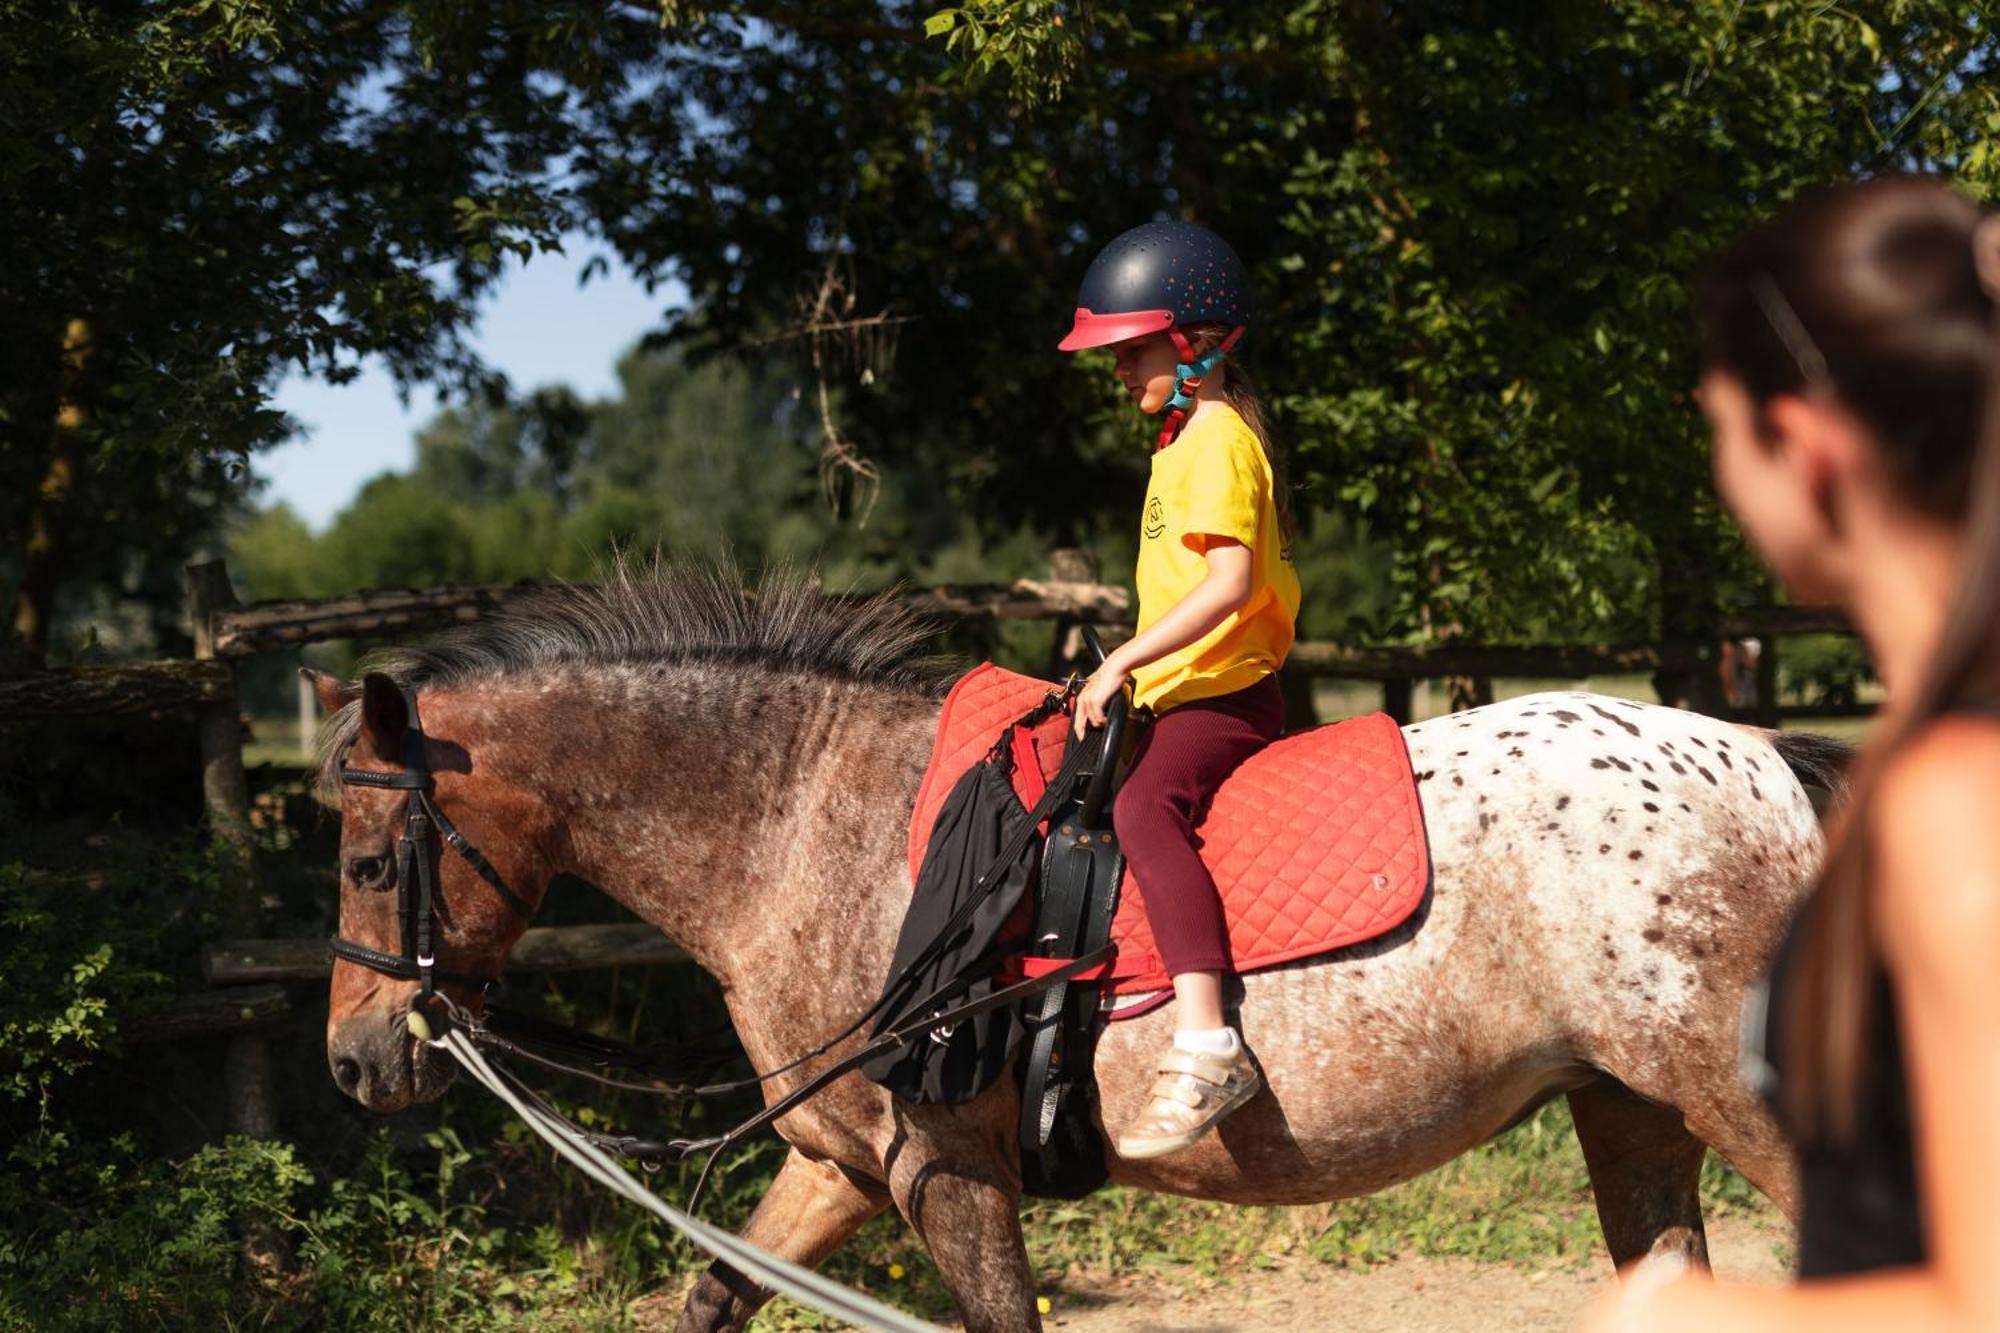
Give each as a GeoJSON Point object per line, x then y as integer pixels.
{"type": "Point", "coordinates": [441, 866]}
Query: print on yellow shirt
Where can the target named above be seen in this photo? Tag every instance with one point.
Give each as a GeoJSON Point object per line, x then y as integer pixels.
{"type": "Point", "coordinates": [1213, 480]}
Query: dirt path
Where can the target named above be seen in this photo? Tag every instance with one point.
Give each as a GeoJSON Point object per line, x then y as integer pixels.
{"type": "Point", "coordinates": [1433, 1295]}
{"type": "Point", "coordinates": [1430, 1295]}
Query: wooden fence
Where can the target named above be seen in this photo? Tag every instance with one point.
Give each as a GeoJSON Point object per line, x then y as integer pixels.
{"type": "Point", "coordinates": [247, 973]}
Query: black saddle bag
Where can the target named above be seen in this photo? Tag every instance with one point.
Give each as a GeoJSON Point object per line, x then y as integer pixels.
{"type": "Point", "coordinates": [982, 859]}
{"type": "Point", "coordinates": [977, 867]}
{"type": "Point", "coordinates": [977, 821]}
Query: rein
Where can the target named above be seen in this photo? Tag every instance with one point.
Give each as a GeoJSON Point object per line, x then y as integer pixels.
{"type": "Point", "coordinates": [545, 1044]}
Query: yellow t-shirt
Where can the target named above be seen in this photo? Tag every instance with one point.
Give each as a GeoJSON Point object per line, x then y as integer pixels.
{"type": "Point", "coordinates": [1214, 479]}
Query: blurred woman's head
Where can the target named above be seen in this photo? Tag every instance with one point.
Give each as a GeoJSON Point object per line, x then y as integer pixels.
{"type": "Point", "coordinates": [1846, 351]}
{"type": "Point", "coordinates": [1848, 358]}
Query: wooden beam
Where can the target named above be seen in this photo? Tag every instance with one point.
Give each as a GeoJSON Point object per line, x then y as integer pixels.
{"type": "Point", "coordinates": [544, 949]}
{"type": "Point", "coordinates": [211, 1013]}
{"type": "Point", "coordinates": [372, 613]}
{"type": "Point", "coordinates": [1027, 599]}
{"type": "Point", "coordinates": [380, 613]}
{"type": "Point", "coordinates": [1767, 621]}
{"type": "Point", "coordinates": [1506, 662]}
{"type": "Point", "coordinates": [1793, 712]}
{"type": "Point", "coordinates": [173, 686]}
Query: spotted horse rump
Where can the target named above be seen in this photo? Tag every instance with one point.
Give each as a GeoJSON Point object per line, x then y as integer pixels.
{"type": "Point", "coordinates": [1315, 842]}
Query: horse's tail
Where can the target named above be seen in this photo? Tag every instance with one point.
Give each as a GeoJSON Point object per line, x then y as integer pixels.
{"type": "Point", "coordinates": [1816, 761]}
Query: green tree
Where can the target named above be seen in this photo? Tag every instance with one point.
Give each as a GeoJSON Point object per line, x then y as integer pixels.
{"type": "Point", "coordinates": [1472, 227]}
{"type": "Point", "coordinates": [195, 196]}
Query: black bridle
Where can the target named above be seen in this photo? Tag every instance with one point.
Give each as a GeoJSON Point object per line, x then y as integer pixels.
{"type": "Point", "coordinates": [416, 859]}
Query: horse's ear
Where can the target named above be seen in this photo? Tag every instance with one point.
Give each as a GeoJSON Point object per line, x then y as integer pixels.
{"type": "Point", "coordinates": [385, 718]}
{"type": "Point", "coordinates": [331, 690]}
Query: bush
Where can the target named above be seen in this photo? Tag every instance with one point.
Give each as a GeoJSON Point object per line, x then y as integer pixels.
{"type": "Point", "coordinates": [1825, 669]}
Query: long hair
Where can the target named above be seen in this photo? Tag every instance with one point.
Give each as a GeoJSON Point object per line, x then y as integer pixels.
{"type": "Point", "coordinates": [1240, 391]}
{"type": "Point", "coordinates": [1875, 287]}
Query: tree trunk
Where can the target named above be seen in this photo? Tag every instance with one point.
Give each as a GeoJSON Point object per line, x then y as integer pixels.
{"type": "Point", "coordinates": [55, 503]}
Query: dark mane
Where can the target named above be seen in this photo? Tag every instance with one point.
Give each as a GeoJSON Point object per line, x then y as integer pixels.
{"type": "Point", "coordinates": [669, 612]}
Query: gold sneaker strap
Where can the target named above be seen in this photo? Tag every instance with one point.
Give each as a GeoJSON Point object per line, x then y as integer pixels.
{"type": "Point", "coordinates": [1181, 1089]}
{"type": "Point", "coordinates": [1208, 1068]}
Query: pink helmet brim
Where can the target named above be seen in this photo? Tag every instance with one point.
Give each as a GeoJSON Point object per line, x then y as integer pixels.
{"type": "Point", "coordinates": [1094, 330]}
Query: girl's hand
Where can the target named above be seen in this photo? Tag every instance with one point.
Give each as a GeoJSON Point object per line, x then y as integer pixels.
{"type": "Point", "coordinates": [1097, 694]}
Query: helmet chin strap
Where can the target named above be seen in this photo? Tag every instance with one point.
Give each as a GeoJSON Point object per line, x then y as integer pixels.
{"type": "Point", "coordinates": [1189, 372]}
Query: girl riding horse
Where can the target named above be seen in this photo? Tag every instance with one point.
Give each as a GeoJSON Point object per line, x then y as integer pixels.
{"type": "Point", "coordinates": [1217, 599]}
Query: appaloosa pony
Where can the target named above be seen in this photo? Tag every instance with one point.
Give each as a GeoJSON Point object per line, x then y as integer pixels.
{"type": "Point", "coordinates": [738, 772]}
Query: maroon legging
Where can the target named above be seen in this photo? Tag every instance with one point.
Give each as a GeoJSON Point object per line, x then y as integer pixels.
{"type": "Point", "coordinates": [1181, 759]}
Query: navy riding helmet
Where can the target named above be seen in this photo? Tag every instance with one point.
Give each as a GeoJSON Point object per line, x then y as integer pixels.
{"type": "Point", "coordinates": [1160, 277]}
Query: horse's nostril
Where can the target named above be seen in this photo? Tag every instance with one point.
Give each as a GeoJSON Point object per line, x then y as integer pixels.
{"type": "Point", "coordinates": [347, 1074]}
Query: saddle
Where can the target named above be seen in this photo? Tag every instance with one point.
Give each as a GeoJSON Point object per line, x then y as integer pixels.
{"type": "Point", "coordinates": [1315, 843]}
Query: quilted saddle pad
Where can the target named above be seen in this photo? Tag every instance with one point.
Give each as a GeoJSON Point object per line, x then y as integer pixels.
{"type": "Point", "coordinates": [1315, 842]}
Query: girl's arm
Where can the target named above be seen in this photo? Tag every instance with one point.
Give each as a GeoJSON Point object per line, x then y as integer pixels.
{"type": "Point", "coordinates": [1936, 906]}
{"type": "Point", "coordinates": [1224, 589]}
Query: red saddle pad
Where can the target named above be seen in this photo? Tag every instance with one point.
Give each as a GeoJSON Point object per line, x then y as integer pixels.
{"type": "Point", "coordinates": [1316, 841]}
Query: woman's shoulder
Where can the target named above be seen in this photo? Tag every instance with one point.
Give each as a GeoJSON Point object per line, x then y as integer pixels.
{"type": "Point", "coordinates": [1951, 765]}
{"type": "Point", "coordinates": [1936, 841]}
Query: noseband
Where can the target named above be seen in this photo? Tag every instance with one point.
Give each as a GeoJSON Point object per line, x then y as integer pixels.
{"type": "Point", "coordinates": [416, 859]}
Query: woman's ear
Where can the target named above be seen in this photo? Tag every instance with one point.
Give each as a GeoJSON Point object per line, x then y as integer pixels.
{"type": "Point", "coordinates": [1822, 446]}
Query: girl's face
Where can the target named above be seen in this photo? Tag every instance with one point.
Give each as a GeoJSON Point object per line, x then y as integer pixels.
{"type": "Point", "coordinates": [1777, 478]}
{"type": "Point", "coordinates": [1145, 366]}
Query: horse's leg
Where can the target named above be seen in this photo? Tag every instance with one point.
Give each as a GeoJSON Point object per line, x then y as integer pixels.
{"type": "Point", "coordinates": [1645, 1169]}
{"type": "Point", "coordinates": [965, 1211]}
{"type": "Point", "coordinates": [1743, 1132]}
{"type": "Point", "coordinates": [810, 1209]}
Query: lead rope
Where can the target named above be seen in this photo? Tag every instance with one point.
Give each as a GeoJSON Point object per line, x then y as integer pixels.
{"type": "Point", "coordinates": [803, 1285]}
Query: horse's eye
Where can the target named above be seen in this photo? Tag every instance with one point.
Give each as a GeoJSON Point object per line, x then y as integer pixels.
{"type": "Point", "coordinates": [367, 871]}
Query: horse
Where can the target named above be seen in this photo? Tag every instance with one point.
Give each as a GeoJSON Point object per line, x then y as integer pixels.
{"type": "Point", "coordinates": [738, 770]}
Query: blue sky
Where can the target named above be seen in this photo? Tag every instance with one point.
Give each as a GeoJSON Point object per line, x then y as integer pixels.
{"type": "Point", "coordinates": [537, 326]}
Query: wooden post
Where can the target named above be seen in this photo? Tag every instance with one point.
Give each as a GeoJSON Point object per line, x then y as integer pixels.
{"type": "Point", "coordinates": [1470, 692]}
{"type": "Point", "coordinates": [308, 716]}
{"type": "Point", "coordinates": [246, 1063]}
{"type": "Point", "coordinates": [223, 785]}
{"type": "Point", "coordinates": [1068, 564]}
{"type": "Point", "coordinates": [1398, 699]}
{"type": "Point", "coordinates": [1301, 713]}
{"type": "Point", "coordinates": [1688, 677]}
{"type": "Point", "coordinates": [1768, 714]}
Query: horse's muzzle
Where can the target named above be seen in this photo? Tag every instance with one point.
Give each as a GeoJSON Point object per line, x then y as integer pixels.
{"type": "Point", "coordinates": [378, 1063]}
